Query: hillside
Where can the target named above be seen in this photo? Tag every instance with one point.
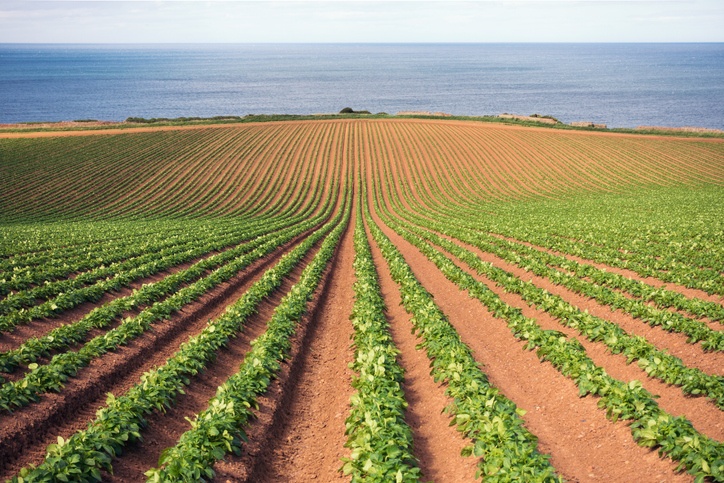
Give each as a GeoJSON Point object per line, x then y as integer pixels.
{"type": "Point", "coordinates": [523, 304]}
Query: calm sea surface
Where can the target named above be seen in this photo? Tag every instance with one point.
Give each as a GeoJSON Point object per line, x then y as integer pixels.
{"type": "Point", "coordinates": [622, 85]}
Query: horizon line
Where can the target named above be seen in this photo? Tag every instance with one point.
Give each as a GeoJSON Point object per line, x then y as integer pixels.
{"type": "Point", "coordinates": [375, 42]}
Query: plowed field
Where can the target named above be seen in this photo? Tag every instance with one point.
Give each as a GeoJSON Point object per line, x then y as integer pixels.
{"type": "Point", "coordinates": [361, 300]}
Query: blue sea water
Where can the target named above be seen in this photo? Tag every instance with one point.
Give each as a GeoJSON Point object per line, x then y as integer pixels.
{"type": "Point", "coordinates": [622, 85]}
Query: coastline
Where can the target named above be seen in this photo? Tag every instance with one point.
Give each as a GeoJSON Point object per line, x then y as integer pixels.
{"type": "Point", "coordinates": [536, 120]}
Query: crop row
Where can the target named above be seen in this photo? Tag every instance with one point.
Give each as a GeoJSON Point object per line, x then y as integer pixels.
{"type": "Point", "coordinates": [651, 426]}
{"type": "Point", "coordinates": [185, 174]}
{"type": "Point", "coordinates": [65, 294]}
{"type": "Point", "coordinates": [607, 287]}
{"type": "Point", "coordinates": [51, 376]}
{"type": "Point", "coordinates": [695, 330]}
{"type": "Point", "coordinates": [78, 293]}
{"type": "Point", "coordinates": [86, 453]}
{"type": "Point", "coordinates": [101, 317]}
{"type": "Point", "coordinates": [34, 243]}
{"type": "Point", "coordinates": [60, 265]}
{"type": "Point", "coordinates": [480, 411]}
{"type": "Point", "coordinates": [573, 276]}
{"type": "Point", "coordinates": [127, 206]}
{"type": "Point", "coordinates": [120, 155]}
{"type": "Point", "coordinates": [219, 429]}
{"type": "Point", "coordinates": [75, 291]}
{"type": "Point", "coordinates": [101, 250]}
{"type": "Point", "coordinates": [662, 297]}
{"type": "Point", "coordinates": [657, 363]}
{"type": "Point", "coordinates": [690, 254]}
{"type": "Point", "coordinates": [206, 171]}
{"type": "Point", "coordinates": [510, 163]}
{"type": "Point", "coordinates": [535, 261]}
{"type": "Point", "coordinates": [378, 436]}
{"type": "Point", "coordinates": [485, 164]}
{"type": "Point", "coordinates": [97, 168]}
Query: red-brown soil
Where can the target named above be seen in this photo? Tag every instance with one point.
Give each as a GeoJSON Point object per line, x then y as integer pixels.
{"type": "Point", "coordinates": [703, 414]}
{"type": "Point", "coordinates": [688, 292]}
{"type": "Point", "coordinates": [299, 433]}
{"type": "Point", "coordinates": [692, 354]}
{"type": "Point", "coordinates": [437, 444]}
{"type": "Point", "coordinates": [40, 327]}
{"type": "Point", "coordinates": [573, 430]}
{"type": "Point", "coordinates": [25, 435]}
{"type": "Point", "coordinates": [164, 429]}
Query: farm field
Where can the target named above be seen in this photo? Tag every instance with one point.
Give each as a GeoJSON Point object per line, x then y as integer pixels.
{"type": "Point", "coordinates": [361, 300]}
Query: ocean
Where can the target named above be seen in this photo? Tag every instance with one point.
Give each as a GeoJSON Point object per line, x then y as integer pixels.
{"type": "Point", "coordinates": [621, 85]}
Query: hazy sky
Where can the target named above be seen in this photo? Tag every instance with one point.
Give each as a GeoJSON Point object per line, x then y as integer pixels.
{"type": "Point", "coordinates": [146, 21]}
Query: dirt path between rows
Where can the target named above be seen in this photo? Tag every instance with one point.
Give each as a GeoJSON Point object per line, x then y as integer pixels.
{"type": "Point", "coordinates": [40, 327]}
{"type": "Point", "coordinates": [300, 436]}
{"type": "Point", "coordinates": [692, 354]}
{"type": "Point", "coordinates": [702, 412]}
{"type": "Point", "coordinates": [165, 428]}
{"type": "Point", "coordinates": [583, 444]}
{"type": "Point", "coordinates": [437, 445]}
{"type": "Point", "coordinates": [292, 409]}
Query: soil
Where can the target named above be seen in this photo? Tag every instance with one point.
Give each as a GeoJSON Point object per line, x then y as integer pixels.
{"type": "Point", "coordinates": [437, 445]}
{"type": "Point", "coordinates": [299, 433]}
{"type": "Point", "coordinates": [40, 327]}
{"type": "Point", "coordinates": [692, 354]}
{"type": "Point", "coordinates": [24, 437]}
{"type": "Point", "coordinates": [573, 430]}
{"type": "Point", "coordinates": [165, 428]}
{"type": "Point", "coordinates": [702, 412]}
{"type": "Point", "coordinates": [688, 292]}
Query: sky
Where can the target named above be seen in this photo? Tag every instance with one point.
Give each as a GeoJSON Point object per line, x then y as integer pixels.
{"type": "Point", "coordinates": [242, 21]}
